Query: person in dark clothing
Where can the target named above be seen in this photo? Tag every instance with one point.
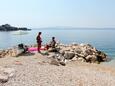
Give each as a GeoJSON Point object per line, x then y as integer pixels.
{"type": "Point", "coordinates": [52, 43]}
{"type": "Point", "coordinates": [24, 47]}
{"type": "Point", "coordinates": [39, 41]}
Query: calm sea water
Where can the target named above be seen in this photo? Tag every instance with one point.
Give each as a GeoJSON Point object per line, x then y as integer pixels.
{"type": "Point", "coordinates": [102, 39]}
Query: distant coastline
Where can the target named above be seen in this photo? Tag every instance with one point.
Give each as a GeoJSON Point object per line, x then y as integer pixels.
{"type": "Point", "coordinates": [72, 28]}
{"type": "Point", "coordinates": [7, 27]}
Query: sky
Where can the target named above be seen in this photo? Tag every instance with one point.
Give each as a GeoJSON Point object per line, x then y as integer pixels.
{"type": "Point", "coordinates": [53, 13]}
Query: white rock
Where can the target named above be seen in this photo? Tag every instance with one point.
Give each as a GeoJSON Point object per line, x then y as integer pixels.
{"type": "Point", "coordinates": [74, 58]}
{"type": "Point", "coordinates": [3, 78]}
{"type": "Point", "coordinates": [81, 59]}
{"type": "Point", "coordinates": [11, 75]}
{"type": "Point", "coordinates": [82, 44]}
{"type": "Point", "coordinates": [9, 71]}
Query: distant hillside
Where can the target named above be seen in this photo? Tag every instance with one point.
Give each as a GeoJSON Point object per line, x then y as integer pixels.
{"type": "Point", "coordinates": [8, 27]}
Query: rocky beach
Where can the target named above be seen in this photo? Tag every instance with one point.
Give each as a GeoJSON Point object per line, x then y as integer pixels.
{"type": "Point", "coordinates": [67, 65]}
{"type": "Point", "coordinates": [57, 43]}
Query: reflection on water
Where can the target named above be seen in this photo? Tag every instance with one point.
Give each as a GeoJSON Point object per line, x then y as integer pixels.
{"type": "Point", "coordinates": [20, 32]}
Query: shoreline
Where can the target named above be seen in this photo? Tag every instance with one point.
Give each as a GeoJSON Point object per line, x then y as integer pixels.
{"type": "Point", "coordinates": [106, 63]}
{"type": "Point", "coordinates": [64, 67]}
{"type": "Point", "coordinates": [109, 64]}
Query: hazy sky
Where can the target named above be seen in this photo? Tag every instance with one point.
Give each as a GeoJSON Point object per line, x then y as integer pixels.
{"type": "Point", "coordinates": [51, 13]}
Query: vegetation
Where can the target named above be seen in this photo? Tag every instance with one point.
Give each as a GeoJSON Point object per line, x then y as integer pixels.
{"type": "Point", "coordinates": [8, 27]}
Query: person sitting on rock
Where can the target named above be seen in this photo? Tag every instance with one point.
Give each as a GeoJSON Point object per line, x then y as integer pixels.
{"type": "Point", "coordinates": [52, 44]}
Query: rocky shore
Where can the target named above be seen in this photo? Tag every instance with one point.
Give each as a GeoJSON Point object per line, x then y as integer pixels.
{"type": "Point", "coordinates": [66, 65]}
{"type": "Point", "coordinates": [80, 52]}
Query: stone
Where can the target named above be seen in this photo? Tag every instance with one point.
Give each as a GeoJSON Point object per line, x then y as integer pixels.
{"type": "Point", "coordinates": [6, 51]}
{"type": "Point", "coordinates": [3, 78]}
{"type": "Point", "coordinates": [101, 56]}
{"type": "Point", "coordinates": [67, 48]}
{"type": "Point", "coordinates": [89, 45]}
{"type": "Point", "coordinates": [82, 44]}
{"type": "Point", "coordinates": [0, 52]}
{"type": "Point", "coordinates": [3, 54]}
{"type": "Point", "coordinates": [62, 63]}
{"type": "Point", "coordinates": [81, 59]}
{"type": "Point", "coordinates": [69, 55]}
{"type": "Point", "coordinates": [74, 58]}
{"type": "Point", "coordinates": [91, 58]}
{"type": "Point", "coordinates": [86, 52]}
{"type": "Point", "coordinates": [55, 62]}
{"type": "Point", "coordinates": [11, 75]}
{"type": "Point", "coordinates": [62, 52]}
{"type": "Point", "coordinates": [78, 50]}
{"type": "Point", "coordinates": [80, 55]}
{"type": "Point", "coordinates": [9, 71]}
{"type": "Point", "coordinates": [89, 52]}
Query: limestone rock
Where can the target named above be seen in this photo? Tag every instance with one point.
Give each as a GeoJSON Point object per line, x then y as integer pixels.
{"type": "Point", "coordinates": [78, 50]}
{"type": "Point", "coordinates": [9, 71]}
{"type": "Point", "coordinates": [55, 62]}
{"type": "Point", "coordinates": [74, 58]}
{"type": "Point", "coordinates": [81, 59]}
{"type": "Point", "coordinates": [83, 52]}
{"type": "Point", "coordinates": [62, 63]}
{"type": "Point", "coordinates": [3, 78]}
{"type": "Point", "coordinates": [69, 55]}
{"type": "Point", "coordinates": [101, 56]}
{"type": "Point", "coordinates": [62, 52]}
{"type": "Point", "coordinates": [91, 58]}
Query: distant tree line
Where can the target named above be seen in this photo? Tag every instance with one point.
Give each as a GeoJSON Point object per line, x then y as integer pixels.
{"type": "Point", "coordinates": [8, 27]}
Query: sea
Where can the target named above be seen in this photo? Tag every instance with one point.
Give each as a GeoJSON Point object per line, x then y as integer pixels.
{"type": "Point", "coordinates": [102, 38]}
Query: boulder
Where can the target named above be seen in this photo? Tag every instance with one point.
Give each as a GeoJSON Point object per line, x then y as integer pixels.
{"type": "Point", "coordinates": [69, 55]}
{"type": "Point", "coordinates": [67, 48]}
{"type": "Point", "coordinates": [91, 58]}
{"type": "Point", "coordinates": [62, 52]}
{"type": "Point", "coordinates": [75, 58]}
{"type": "Point", "coordinates": [101, 56]}
{"type": "Point", "coordinates": [59, 57]}
{"type": "Point", "coordinates": [80, 55]}
{"type": "Point", "coordinates": [88, 52]}
{"type": "Point", "coordinates": [81, 59]}
{"type": "Point", "coordinates": [6, 74]}
{"type": "Point", "coordinates": [55, 62]}
{"type": "Point", "coordinates": [63, 63]}
{"type": "Point", "coordinates": [84, 52]}
{"type": "Point", "coordinates": [78, 50]}
{"type": "Point", "coordinates": [3, 78]}
{"type": "Point", "coordinates": [9, 71]}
